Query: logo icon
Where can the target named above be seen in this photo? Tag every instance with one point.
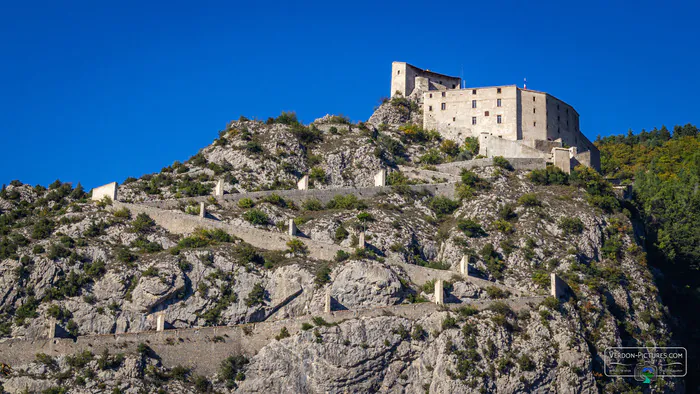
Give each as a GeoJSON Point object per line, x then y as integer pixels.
{"type": "Point", "coordinates": [645, 373]}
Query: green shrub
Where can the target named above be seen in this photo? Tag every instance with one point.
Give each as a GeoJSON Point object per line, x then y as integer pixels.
{"type": "Point", "coordinates": [529, 200]}
{"type": "Point", "coordinates": [396, 178]}
{"type": "Point", "coordinates": [551, 303]}
{"type": "Point", "coordinates": [142, 224]}
{"type": "Point", "coordinates": [496, 292]}
{"type": "Point", "coordinates": [612, 247]}
{"type": "Point", "coordinates": [245, 203]}
{"type": "Point", "coordinates": [256, 217]}
{"type": "Point", "coordinates": [42, 228]}
{"type": "Point", "coordinates": [348, 201]}
{"type": "Point", "coordinates": [507, 212]}
{"type": "Point", "coordinates": [549, 176]}
{"type": "Point", "coordinates": [323, 275]}
{"type": "Point", "coordinates": [275, 199]}
{"type": "Point", "coordinates": [122, 213]}
{"type": "Point", "coordinates": [253, 147]}
{"type": "Point", "coordinates": [284, 333]}
{"type": "Point", "coordinates": [306, 326]}
{"type": "Point", "coordinates": [469, 178]}
{"type": "Point", "coordinates": [500, 161]}
{"type": "Point", "coordinates": [493, 261]}
{"type": "Point", "coordinates": [341, 256]}
{"type": "Point", "coordinates": [442, 206]}
{"type": "Point", "coordinates": [297, 247]}
{"type": "Point", "coordinates": [231, 368]}
{"type": "Point", "coordinates": [470, 228]}
{"type": "Point", "coordinates": [525, 363]}
{"type": "Point", "coordinates": [312, 204]}
{"type": "Point", "coordinates": [365, 217]}
{"type": "Point", "coordinates": [542, 279]}
{"type": "Point", "coordinates": [449, 322]}
{"type": "Point", "coordinates": [256, 295]}
{"type": "Point", "coordinates": [503, 226]}
{"type": "Point", "coordinates": [341, 233]}
{"type": "Point", "coordinates": [318, 174]}
{"type": "Point", "coordinates": [124, 255]}
{"type": "Point", "coordinates": [571, 226]}
{"type": "Point", "coordinates": [431, 157]}
{"type": "Point", "coordinates": [467, 311]}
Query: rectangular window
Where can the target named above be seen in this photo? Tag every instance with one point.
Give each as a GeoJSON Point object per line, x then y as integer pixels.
{"type": "Point", "coordinates": [498, 90]}
{"type": "Point", "coordinates": [498, 119]}
{"type": "Point", "coordinates": [534, 124]}
{"type": "Point", "coordinates": [473, 119]}
{"type": "Point", "coordinates": [430, 95]}
{"type": "Point", "coordinates": [473, 103]}
{"type": "Point", "coordinates": [498, 103]}
{"type": "Point", "coordinates": [534, 110]}
{"type": "Point", "coordinates": [443, 106]}
{"type": "Point", "coordinates": [486, 113]}
{"type": "Point", "coordinates": [533, 98]}
{"type": "Point", "coordinates": [430, 108]}
{"type": "Point", "coordinates": [454, 86]}
{"type": "Point", "coordinates": [443, 94]}
{"type": "Point", "coordinates": [473, 91]}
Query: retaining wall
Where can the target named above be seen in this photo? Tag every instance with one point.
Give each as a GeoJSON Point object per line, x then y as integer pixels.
{"type": "Point", "coordinates": [197, 348]}
{"type": "Point", "coordinates": [524, 164]}
{"type": "Point", "coordinates": [181, 223]}
{"type": "Point", "coordinates": [299, 196]}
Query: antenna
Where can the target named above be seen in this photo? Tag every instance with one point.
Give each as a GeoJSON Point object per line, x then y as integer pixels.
{"type": "Point", "coordinates": [524, 83]}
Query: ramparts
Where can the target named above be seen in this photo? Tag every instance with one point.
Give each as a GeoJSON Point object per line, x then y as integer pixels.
{"type": "Point", "coordinates": [202, 348]}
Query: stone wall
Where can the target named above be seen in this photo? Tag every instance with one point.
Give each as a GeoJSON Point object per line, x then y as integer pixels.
{"type": "Point", "coordinates": [491, 146]}
{"type": "Point", "coordinates": [523, 164]}
{"type": "Point", "coordinates": [404, 75]}
{"type": "Point", "coordinates": [299, 196]}
{"type": "Point", "coordinates": [200, 348]}
{"type": "Point", "coordinates": [181, 223]}
{"type": "Point", "coordinates": [108, 190]}
{"type": "Point", "coordinates": [456, 120]}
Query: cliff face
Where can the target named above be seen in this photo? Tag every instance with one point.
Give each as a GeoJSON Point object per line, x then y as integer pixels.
{"type": "Point", "coordinates": [97, 269]}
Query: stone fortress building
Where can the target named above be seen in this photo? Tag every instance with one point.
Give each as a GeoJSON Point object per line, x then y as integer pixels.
{"type": "Point", "coordinates": [509, 121]}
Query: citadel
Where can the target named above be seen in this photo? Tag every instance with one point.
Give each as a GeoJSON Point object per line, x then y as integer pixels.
{"type": "Point", "coordinates": [508, 121]}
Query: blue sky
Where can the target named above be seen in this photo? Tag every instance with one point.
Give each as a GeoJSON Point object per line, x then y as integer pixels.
{"type": "Point", "coordinates": [94, 92]}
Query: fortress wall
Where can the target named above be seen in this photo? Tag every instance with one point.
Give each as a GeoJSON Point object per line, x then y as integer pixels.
{"type": "Point", "coordinates": [196, 348]}
{"type": "Point", "coordinates": [455, 121]}
{"type": "Point", "coordinates": [181, 223]}
{"type": "Point", "coordinates": [491, 146]}
{"type": "Point", "coordinates": [417, 173]}
{"type": "Point", "coordinates": [533, 122]}
{"type": "Point", "coordinates": [108, 190]}
{"type": "Point", "coordinates": [403, 79]}
{"type": "Point", "coordinates": [299, 196]}
{"type": "Point", "coordinates": [524, 164]}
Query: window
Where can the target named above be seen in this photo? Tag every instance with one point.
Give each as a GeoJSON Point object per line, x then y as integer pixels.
{"type": "Point", "coordinates": [558, 130]}
{"type": "Point", "coordinates": [498, 119]}
{"type": "Point", "coordinates": [534, 124]}
{"type": "Point", "coordinates": [473, 91]}
{"type": "Point", "coordinates": [473, 103]}
{"type": "Point", "coordinates": [454, 86]}
{"type": "Point", "coordinates": [430, 108]}
{"type": "Point", "coordinates": [557, 106]}
{"type": "Point", "coordinates": [498, 90]}
{"type": "Point", "coordinates": [533, 98]}
{"type": "Point", "coordinates": [534, 110]}
{"type": "Point", "coordinates": [486, 113]}
{"type": "Point", "coordinates": [473, 119]}
{"type": "Point", "coordinates": [443, 106]}
{"type": "Point", "coordinates": [443, 94]}
{"type": "Point", "coordinates": [454, 119]}
{"type": "Point", "coordinates": [498, 103]}
{"type": "Point", "coordinates": [398, 72]}
{"type": "Point", "coordinates": [557, 118]}
{"type": "Point", "coordinates": [430, 95]}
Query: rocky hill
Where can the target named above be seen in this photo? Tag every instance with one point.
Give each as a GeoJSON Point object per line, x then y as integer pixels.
{"type": "Point", "coordinates": [104, 268]}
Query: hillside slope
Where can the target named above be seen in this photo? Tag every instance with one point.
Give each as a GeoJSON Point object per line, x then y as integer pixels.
{"type": "Point", "coordinates": [98, 268]}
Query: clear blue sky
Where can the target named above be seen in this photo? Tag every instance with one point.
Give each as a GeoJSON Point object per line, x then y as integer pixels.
{"type": "Point", "coordinates": [96, 91]}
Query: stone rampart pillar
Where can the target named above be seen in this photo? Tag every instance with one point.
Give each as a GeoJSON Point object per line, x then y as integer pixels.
{"type": "Point", "coordinates": [51, 331]}
{"type": "Point", "coordinates": [303, 183]}
{"type": "Point", "coordinates": [327, 299]}
{"type": "Point", "coordinates": [361, 241]}
{"type": "Point", "coordinates": [439, 292]}
{"type": "Point", "coordinates": [380, 178]}
{"type": "Point", "coordinates": [160, 321]}
{"type": "Point", "coordinates": [292, 231]}
{"type": "Point", "coordinates": [219, 189]}
{"type": "Point", "coordinates": [202, 210]}
{"type": "Point", "coordinates": [558, 286]}
{"type": "Point", "coordinates": [108, 190]}
{"type": "Point", "coordinates": [464, 266]}
{"type": "Point", "coordinates": [561, 157]}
